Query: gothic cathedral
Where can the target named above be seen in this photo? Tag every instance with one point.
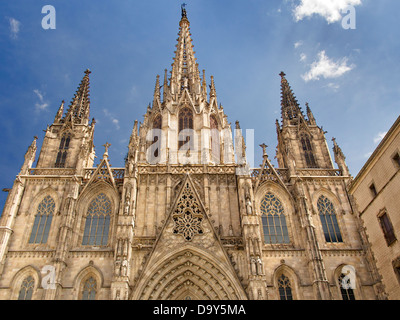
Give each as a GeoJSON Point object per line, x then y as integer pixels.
{"type": "Point", "coordinates": [186, 218]}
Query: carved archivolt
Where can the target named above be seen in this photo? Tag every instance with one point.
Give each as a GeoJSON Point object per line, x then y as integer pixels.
{"type": "Point", "coordinates": [191, 273]}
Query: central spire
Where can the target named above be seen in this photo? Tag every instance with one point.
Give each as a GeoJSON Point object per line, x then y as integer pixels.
{"type": "Point", "coordinates": [78, 111]}
{"type": "Point", "coordinates": [289, 106]}
{"type": "Point", "coordinates": [185, 71]}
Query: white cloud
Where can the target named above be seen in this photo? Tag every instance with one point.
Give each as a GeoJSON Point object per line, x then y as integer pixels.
{"type": "Point", "coordinates": [379, 137]}
{"type": "Point", "coordinates": [331, 10]}
{"type": "Point", "coordinates": [41, 105]}
{"type": "Point", "coordinates": [368, 154]}
{"type": "Point", "coordinates": [333, 86]}
{"type": "Point", "coordinates": [112, 118]}
{"type": "Point", "coordinates": [303, 57]}
{"type": "Point", "coordinates": [14, 27]}
{"type": "Point", "coordinates": [298, 44]}
{"type": "Point", "coordinates": [327, 68]}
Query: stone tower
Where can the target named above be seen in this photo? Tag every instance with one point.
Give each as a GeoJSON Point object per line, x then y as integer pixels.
{"type": "Point", "coordinates": [185, 218]}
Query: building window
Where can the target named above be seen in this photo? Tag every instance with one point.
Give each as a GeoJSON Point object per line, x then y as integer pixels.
{"type": "Point", "coordinates": [185, 122]}
{"type": "Point", "coordinates": [215, 144]}
{"type": "Point", "coordinates": [157, 134]}
{"type": "Point", "coordinates": [345, 288]}
{"type": "Point", "coordinates": [43, 217]}
{"type": "Point", "coordinates": [387, 228]}
{"type": "Point", "coordinates": [397, 270]}
{"type": "Point", "coordinates": [89, 289]}
{"type": "Point", "coordinates": [273, 220]}
{"type": "Point", "coordinates": [97, 222]}
{"type": "Point", "coordinates": [373, 190]}
{"type": "Point", "coordinates": [308, 152]}
{"type": "Point", "coordinates": [26, 291]}
{"type": "Point", "coordinates": [62, 151]}
{"type": "Point", "coordinates": [396, 159]}
{"type": "Point", "coordinates": [328, 218]}
{"type": "Point", "coordinates": [285, 288]}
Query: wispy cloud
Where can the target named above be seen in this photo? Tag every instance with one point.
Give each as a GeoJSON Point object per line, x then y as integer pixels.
{"type": "Point", "coordinates": [298, 44]}
{"type": "Point", "coordinates": [41, 105]}
{"type": "Point", "coordinates": [330, 10]}
{"type": "Point", "coordinates": [327, 68]}
{"type": "Point", "coordinates": [303, 57]}
{"type": "Point", "coordinates": [114, 120]}
{"type": "Point", "coordinates": [14, 27]}
{"type": "Point", "coordinates": [367, 155]}
{"type": "Point", "coordinates": [333, 86]}
{"type": "Point", "coordinates": [379, 137]}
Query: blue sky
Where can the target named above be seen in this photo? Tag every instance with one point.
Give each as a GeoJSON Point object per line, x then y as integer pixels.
{"type": "Point", "coordinates": [349, 77]}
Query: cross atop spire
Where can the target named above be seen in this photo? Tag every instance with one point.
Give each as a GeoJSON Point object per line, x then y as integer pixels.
{"type": "Point", "coordinates": [184, 14]}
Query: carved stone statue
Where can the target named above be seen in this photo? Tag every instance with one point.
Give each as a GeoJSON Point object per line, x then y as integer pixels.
{"type": "Point", "coordinates": [249, 207]}
{"type": "Point", "coordinates": [127, 202]}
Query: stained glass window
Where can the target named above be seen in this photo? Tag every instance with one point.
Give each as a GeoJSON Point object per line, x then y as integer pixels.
{"type": "Point", "coordinates": [89, 289]}
{"type": "Point", "coordinates": [285, 288]}
{"type": "Point", "coordinates": [273, 220]}
{"type": "Point", "coordinates": [328, 218]}
{"type": "Point", "coordinates": [41, 225]}
{"type": "Point", "coordinates": [26, 290]}
{"type": "Point", "coordinates": [97, 222]}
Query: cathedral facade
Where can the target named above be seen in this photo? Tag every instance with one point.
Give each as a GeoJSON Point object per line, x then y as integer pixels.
{"type": "Point", "coordinates": [186, 218]}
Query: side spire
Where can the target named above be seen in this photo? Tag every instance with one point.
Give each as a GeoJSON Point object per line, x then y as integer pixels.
{"type": "Point", "coordinates": [79, 108]}
{"type": "Point", "coordinates": [310, 115]}
{"type": "Point", "coordinates": [340, 159]}
{"type": "Point", "coordinates": [60, 113]}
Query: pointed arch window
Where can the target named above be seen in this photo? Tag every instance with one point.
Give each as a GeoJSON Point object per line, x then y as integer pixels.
{"type": "Point", "coordinates": [308, 151]}
{"type": "Point", "coordinates": [215, 143]}
{"type": "Point", "coordinates": [89, 289]}
{"type": "Point", "coordinates": [26, 291]}
{"type": "Point", "coordinates": [273, 220]}
{"type": "Point", "coordinates": [285, 288]}
{"type": "Point", "coordinates": [345, 288]}
{"type": "Point", "coordinates": [329, 221]}
{"type": "Point", "coordinates": [185, 122]}
{"type": "Point", "coordinates": [62, 151]}
{"type": "Point", "coordinates": [157, 134]}
{"type": "Point", "coordinates": [97, 223]}
{"type": "Point", "coordinates": [42, 222]}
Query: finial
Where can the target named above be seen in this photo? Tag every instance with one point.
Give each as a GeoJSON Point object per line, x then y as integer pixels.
{"type": "Point", "coordinates": [106, 146]}
{"type": "Point", "coordinates": [282, 74]}
{"type": "Point", "coordinates": [183, 5]}
{"type": "Point", "coordinates": [87, 72]}
{"type": "Point", "coordinates": [264, 147]}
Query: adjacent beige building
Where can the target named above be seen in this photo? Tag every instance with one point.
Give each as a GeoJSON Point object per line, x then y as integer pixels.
{"type": "Point", "coordinates": [376, 190]}
{"type": "Point", "coordinates": [185, 218]}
